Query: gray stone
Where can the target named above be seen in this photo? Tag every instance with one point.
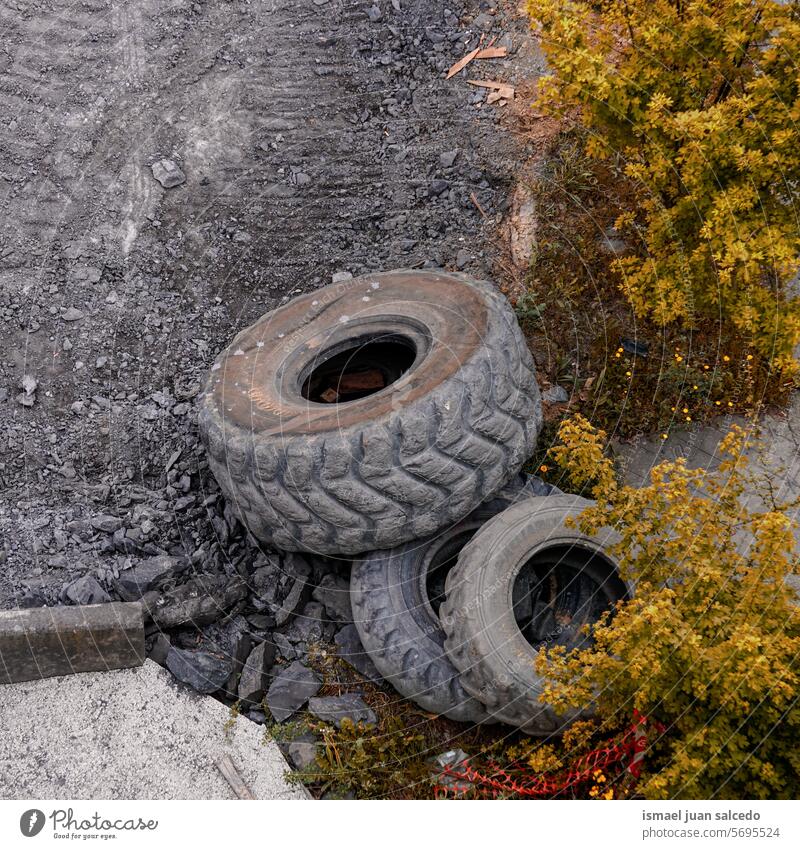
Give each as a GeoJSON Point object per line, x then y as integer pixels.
{"type": "Point", "coordinates": [611, 243]}
{"type": "Point", "coordinates": [462, 259]}
{"type": "Point", "coordinates": [201, 670]}
{"type": "Point", "coordinates": [310, 626]}
{"type": "Point", "coordinates": [292, 603]}
{"type": "Point", "coordinates": [148, 574]}
{"type": "Point", "coordinates": [555, 395]}
{"type": "Point", "coordinates": [285, 648]}
{"type": "Point", "coordinates": [86, 590]}
{"type": "Point", "coordinates": [47, 641]}
{"type": "Point", "coordinates": [255, 673]}
{"type": "Point", "coordinates": [448, 158]}
{"type": "Point", "coordinates": [160, 649]}
{"type": "Point", "coordinates": [335, 709]}
{"type": "Point", "coordinates": [105, 523]}
{"type": "Point", "coordinates": [484, 22]}
{"type": "Point", "coordinates": [374, 14]}
{"type": "Point", "coordinates": [351, 650]}
{"type": "Point", "coordinates": [72, 314]}
{"type": "Point", "coordinates": [291, 689]}
{"type": "Point", "coordinates": [438, 187]}
{"type": "Point", "coordinates": [302, 752]}
{"type": "Point", "coordinates": [168, 173]}
{"type": "Point", "coordinates": [341, 277]}
{"type": "Point", "coordinates": [333, 593]}
{"type": "Point", "coordinates": [80, 528]}
{"type": "Point", "coordinates": [201, 601]}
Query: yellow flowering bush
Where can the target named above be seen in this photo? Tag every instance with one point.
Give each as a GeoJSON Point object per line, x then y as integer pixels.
{"type": "Point", "coordinates": [700, 100]}
{"type": "Point", "coordinates": [708, 649]}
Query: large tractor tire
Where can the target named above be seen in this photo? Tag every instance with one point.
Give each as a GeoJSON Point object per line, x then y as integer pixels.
{"type": "Point", "coordinates": [396, 595]}
{"type": "Point", "coordinates": [525, 582]}
{"type": "Point", "coordinates": [371, 412]}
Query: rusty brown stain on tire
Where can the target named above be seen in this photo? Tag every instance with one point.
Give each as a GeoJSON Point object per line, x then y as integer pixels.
{"type": "Point", "coordinates": [243, 384]}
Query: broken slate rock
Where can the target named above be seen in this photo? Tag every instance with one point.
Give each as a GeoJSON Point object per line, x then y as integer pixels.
{"type": "Point", "coordinates": [311, 626]}
{"type": "Point", "coordinates": [284, 647]}
{"type": "Point", "coordinates": [352, 651]}
{"type": "Point", "coordinates": [72, 314]}
{"type": "Point", "coordinates": [160, 649]}
{"type": "Point", "coordinates": [291, 689]}
{"type": "Point", "coordinates": [555, 395]}
{"type": "Point", "coordinates": [255, 673]}
{"type": "Point", "coordinates": [86, 590]}
{"type": "Point", "coordinates": [105, 523]}
{"type": "Point", "coordinates": [201, 670]}
{"type": "Point", "coordinates": [134, 583]}
{"type": "Point", "coordinates": [302, 752]}
{"type": "Point", "coordinates": [335, 709]}
{"type": "Point", "coordinates": [295, 599]}
{"type": "Point", "coordinates": [201, 601]}
{"type": "Point", "coordinates": [333, 593]}
{"type": "Point", "coordinates": [168, 173]}
{"type": "Point", "coordinates": [374, 14]}
{"type": "Point", "coordinates": [28, 395]}
{"type": "Point", "coordinates": [448, 158]}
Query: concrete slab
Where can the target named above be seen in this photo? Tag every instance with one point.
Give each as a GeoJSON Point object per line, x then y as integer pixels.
{"type": "Point", "coordinates": [774, 455]}
{"type": "Point", "coordinates": [128, 734]}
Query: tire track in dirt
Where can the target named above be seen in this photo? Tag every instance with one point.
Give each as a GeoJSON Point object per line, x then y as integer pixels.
{"type": "Point", "coordinates": [136, 184]}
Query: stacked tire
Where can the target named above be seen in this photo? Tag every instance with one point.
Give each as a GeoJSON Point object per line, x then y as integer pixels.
{"type": "Point", "coordinates": [388, 417]}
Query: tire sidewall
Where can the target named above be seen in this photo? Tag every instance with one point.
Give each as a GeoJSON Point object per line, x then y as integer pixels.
{"type": "Point", "coordinates": [504, 676]}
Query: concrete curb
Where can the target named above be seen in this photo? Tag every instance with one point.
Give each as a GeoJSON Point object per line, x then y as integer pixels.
{"type": "Point", "coordinates": [43, 642]}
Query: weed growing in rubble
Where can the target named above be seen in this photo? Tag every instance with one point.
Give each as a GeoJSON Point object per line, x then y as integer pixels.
{"type": "Point", "coordinates": [708, 650]}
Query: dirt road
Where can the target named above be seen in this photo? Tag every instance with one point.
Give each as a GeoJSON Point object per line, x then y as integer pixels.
{"type": "Point", "coordinates": [316, 137]}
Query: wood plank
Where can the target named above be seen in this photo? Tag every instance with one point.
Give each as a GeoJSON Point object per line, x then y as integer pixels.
{"type": "Point", "coordinates": [229, 772]}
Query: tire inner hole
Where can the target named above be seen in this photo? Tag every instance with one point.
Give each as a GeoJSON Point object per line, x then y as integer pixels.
{"type": "Point", "coordinates": [561, 589]}
{"type": "Point", "coordinates": [441, 563]}
{"type": "Point", "coordinates": [358, 368]}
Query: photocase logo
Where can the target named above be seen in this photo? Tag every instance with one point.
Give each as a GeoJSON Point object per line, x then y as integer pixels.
{"type": "Point", "coordinates": [31, 822]}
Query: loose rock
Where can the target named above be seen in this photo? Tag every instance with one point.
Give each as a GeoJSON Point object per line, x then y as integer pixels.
{"type": "Point", "coordinates": [168, 173]}
{"type": "Point", "coordinates": [291, 689]}
{"type": "Point", "coordinates": [555, 395]}
{"type": "Point", "coordinates": [134, 583]}
{"type": "Point", "coordinates": [201, 670]}
{"type": "Point", "coordinates": [198, 602]}
{"type": "Point", "coordinates": [335, 709]}
{"type": "Point", "coordinates": [333, 593]}
{"type": "Point", "coordinates": [86, 590]}
{"type": "Point", "coordinates": [255, 673]}
{"type": "Point", "coordinates": [105, 523]}
{"type": "Point", "coordinates": [302, 752]}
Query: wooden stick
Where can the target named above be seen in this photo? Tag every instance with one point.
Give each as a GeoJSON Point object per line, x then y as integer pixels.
{"type": "Point", "coordinates": [477, 205]}
{"type": "Point", "coordinates": [492, 53]}
{"type": "Point", "coordinates": [229, 772]}
{"type": "Point", "coordinates": [462, 62]}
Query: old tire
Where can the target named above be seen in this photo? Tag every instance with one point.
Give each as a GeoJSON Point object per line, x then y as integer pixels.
{"type": "Point", "coordinates": [457, 416]}
{"type": "Point", "coordinates": [571, 576]}
{"type": "Point", "coordinates": [394, 599]}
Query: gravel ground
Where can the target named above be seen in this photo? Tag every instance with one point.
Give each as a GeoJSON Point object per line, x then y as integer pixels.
{"type": "Point", "coordinates": [314, 139]}
{"type": "Point", "coordinates": [304, 139]}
